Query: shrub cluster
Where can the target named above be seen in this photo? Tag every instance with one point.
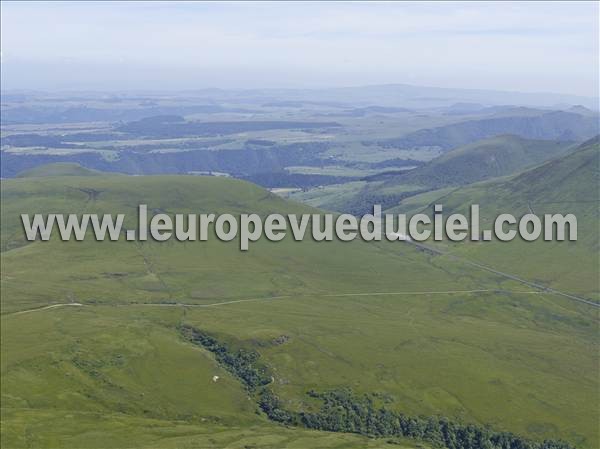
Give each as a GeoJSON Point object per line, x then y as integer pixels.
{"type": "Point", "coordinates": [344, 411]}
{"type": "Point", "coordinates": [241, 363]}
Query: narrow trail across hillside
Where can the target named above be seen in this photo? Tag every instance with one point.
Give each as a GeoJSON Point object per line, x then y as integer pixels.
{"type": "Point", "coordinates": [51, 306]}
{"type": "Point", "coordinates": [540, 288]}
{"type": "Point", "coordinates": [269, 298]}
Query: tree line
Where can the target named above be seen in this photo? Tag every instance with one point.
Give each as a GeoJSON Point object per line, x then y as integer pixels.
{"type": "Point", "coordinates": [342, 410]}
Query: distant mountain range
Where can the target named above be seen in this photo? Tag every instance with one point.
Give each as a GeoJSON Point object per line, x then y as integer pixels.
{"type": "Point", "coordinates": [417, 96]}
{"type": "Point", "coordinates": [555, 125]}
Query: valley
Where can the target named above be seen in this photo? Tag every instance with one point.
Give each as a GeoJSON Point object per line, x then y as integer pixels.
{"type": "Point", "coordinates": [298, 343]}
{"type": "Point", "coordinates": [428, 333]}
{"type": "Point", "coordinates": [299, 225]}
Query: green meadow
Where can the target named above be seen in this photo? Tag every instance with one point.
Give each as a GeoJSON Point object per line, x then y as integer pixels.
{"type": "Point", "coordinates": [561, 186]}
{"type": "Point", "coordinates": [431, 334]}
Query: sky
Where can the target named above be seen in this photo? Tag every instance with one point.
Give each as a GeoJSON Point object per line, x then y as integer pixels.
{"type": "Point", "coordinates": [521, 46]}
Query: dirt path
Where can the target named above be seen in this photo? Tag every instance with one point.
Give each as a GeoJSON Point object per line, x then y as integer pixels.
{"type": "Point", "coordinates": [512, 277]}
{"type": "Point", "coordinates": [51, 306]}
{"type": "Point", "coordinates": [268, 298]}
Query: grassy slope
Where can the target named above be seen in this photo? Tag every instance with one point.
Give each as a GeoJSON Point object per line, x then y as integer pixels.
{"type": "Point", "coordinates": [525, 363]}
{"type": "Point", "coordinates": [564, 185]}
{"type": "Point", "coordinates": [331, 197]}
{"type": "Point", "coordinates": [488, 158]}
{"type": "Point", "coordinates": [58, 169]}
{"type": "Point", "coordinates": [106, 378]}
{"type": "Point", "coordinates": [484, 159]}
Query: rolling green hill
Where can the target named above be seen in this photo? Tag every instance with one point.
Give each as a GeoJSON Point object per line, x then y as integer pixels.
{"type": "Point", "coordinates": [107, 364]}
{"type": "Point", "coordinates": [485, 159]}
{"type": "Point", "coordinates": [567, 184]}
{"type": "Point", "coordinates": [58, 169]}
{"type": "Point", "coordinates": [488, 158]}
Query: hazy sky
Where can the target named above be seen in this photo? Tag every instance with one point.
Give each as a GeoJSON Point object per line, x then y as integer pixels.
{"type": "Point", "coordinates": [537, 46]}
